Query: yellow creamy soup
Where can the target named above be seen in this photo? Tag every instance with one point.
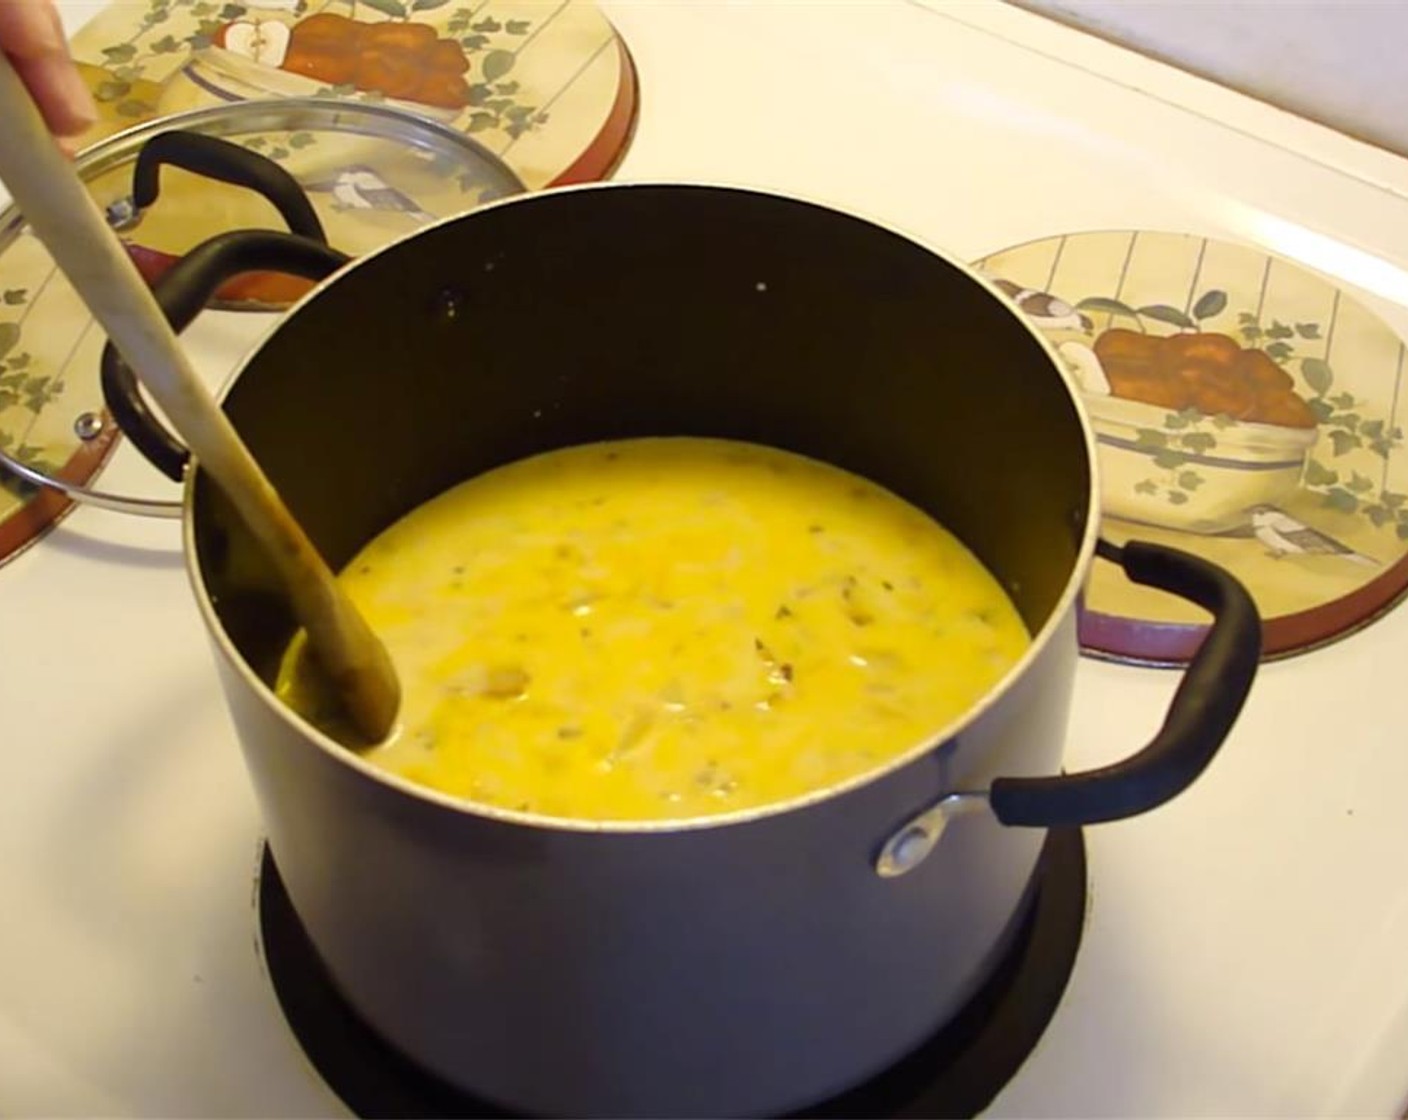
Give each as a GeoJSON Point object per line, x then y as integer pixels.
{"type": "Point", "coordinates": [666, 628]}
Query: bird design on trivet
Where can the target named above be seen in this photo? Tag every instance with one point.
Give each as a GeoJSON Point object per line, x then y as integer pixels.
{"type": "Point", "coordinates": [1284, 535]}
{"type": "Point", "coordinates": [361, 188]}
{"type": "Point", "coordinates": [1042, 308]}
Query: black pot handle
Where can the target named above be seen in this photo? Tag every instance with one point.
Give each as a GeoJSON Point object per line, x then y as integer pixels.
{"type": "Point", "coordinates": [181, 294]}
{"type": "Point", "coordinates": [1202, 712]}
{"type": "Point", "coordinates": [220, 159]}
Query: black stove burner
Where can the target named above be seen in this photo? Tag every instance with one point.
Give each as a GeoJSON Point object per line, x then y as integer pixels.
{"type": "Point", "coordinates": [957, 1072]}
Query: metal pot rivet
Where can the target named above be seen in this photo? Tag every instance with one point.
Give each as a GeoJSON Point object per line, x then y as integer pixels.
{"type": "Point", "coordinates": [122, 215]}
{"type": "Point", "coordinates": [89, 425]}
{"type": "Point", "coordinates": [905, 851]}
{"type": "Point", "coordinates": [448, 304]}
{"type": "Point", "coordinates": [914, 840]}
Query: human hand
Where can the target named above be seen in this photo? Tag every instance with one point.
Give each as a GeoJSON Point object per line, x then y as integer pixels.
{"type": "Point", "coordinates": [33, 39]}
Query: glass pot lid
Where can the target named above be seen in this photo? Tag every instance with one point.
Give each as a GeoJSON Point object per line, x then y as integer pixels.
{"type": "Point", "coordinates": [358, 175]}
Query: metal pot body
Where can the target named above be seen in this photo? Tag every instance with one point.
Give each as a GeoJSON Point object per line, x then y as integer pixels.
{"type": "Point", "coordinates": [746, 965]}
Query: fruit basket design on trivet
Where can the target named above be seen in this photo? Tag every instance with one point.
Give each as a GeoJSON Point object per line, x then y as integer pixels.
{"type": "Point", "coordinates": [1244, 408]}
{"type": "Point", "coordinates": [549, 87]}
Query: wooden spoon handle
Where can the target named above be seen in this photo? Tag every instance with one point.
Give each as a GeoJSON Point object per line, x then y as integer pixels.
{"type": "Point", "coordinates": [65, 217]}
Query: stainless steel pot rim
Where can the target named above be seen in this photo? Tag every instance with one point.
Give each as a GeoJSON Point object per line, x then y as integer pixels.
{"type": "Point", "coordinates": [1043, 638]}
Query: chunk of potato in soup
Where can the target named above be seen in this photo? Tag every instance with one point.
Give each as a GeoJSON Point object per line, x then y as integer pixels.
{"type": "Point", "coordinates": [669, 628]}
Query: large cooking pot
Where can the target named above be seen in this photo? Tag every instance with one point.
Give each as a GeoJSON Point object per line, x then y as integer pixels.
{"type": "Point", "coordinates": [743, 964]}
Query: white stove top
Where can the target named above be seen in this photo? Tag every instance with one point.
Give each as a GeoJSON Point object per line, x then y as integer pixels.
{"type": "Point", "coordinates": [1245, 947]}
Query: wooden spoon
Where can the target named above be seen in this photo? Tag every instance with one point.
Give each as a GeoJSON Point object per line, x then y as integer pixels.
{"type": "Point", "coordinates": [59, 209]}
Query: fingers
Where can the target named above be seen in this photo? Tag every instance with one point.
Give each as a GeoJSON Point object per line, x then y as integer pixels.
{"type": "Point", "coordinates": [58, 90]}
{"type": "Point", "coordinates": [33, 38]}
